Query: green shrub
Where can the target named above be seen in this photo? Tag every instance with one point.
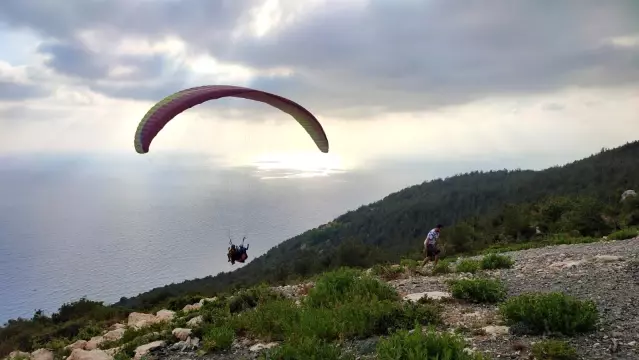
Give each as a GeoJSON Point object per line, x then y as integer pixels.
{"type": "Point", "coordinates": [215, 315]}
{"type": "Point", "coordinates": [554, 350]}
{"type": "Point", "coordinates": [56, 345]}
{"type": "Point", "coordinates": [307, 349]}
{"type": "Point", "coordinates": [178, 303]}
{"type": "Point", "coordinates": [218, 338]}
{"type": "Point", "coordinates": [355, 320]}
{"type": "Point", "coordinates": [344, 285]}
{"type": "Point", "coordinates": [281, 320]}
{"type": "Point", "coordinates": [551, 312]}
{"type": "Point", "coordinates": [495, 261]}
{"type": "Point", "coordinates": [468, 266]}
{"type": "Point", "coordinates": [272, 321]}
{"type": "Point", "coordinates": [388, 272]}
{"type": "Point", "coordinates": [442, 267]}
{"type": "Point", "coordinates": [550, 240]}
{"type": "Point", "coordinates": [478, 290]}
{"type": "Point", "coordinates": [250, 298]}
{"type": "Point", "coordinates": [90, 330]}
{"type": "Point", "coordinates": [423, 346]}
{"type": "Point", "coordinates": [624, 234]}
{"type": "Point", "coordinates": [409, 264]}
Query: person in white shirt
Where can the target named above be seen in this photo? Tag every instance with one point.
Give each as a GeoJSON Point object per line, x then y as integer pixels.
{"type": "Point", "coordinates": [430, 245]}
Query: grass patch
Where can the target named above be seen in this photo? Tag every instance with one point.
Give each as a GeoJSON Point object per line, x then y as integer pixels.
{"type": "Point", "coordinates": [306, 348]}
{"type": "Point", "coordinates": [409, 264]}
{"type": "Point", "coordinates": [343, 304]}
{"type": "Point", "coordinates": [218, 338]}
{"type": "Point", "coordinates": [388, 272]}
{"type": "Point", "coordinates": [442, 267]}
{"type": "Point", "coordinates": [250, 298]}
{"type": "Point", "coordinates": [496, 261]}
{"type": "Point", "coordinates": [418, 345]}
{"type": "Point", "coordinates": [468, 266]}
{"type": "Point", "coordinates": [478, 290]}
{"type": "Point", "coordinates": [554, 350]}
{"type": "Point", "coordinates": [282, 320]}
{"type": "Point", "coordinates": [550, 240]}
{"type": "Point", "coordinates": [551, 313]}
{"type": "Point", "coordinates": [624, 234]}
{"type": "Point", "coordinates": [344, 285]}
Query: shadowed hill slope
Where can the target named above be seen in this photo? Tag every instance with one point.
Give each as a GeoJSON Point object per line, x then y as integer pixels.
{"type": "Point", "coordinates": [395, 226]}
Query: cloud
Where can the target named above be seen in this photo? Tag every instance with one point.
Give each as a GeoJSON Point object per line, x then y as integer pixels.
{"type": "Point", "coordinates": [380, 54]}
{"type": "Point", "coordinates": [426, 79]}
{"type": "Point", "coordinates": [416, 54]}
{"type": "Point", "coordinates": [447, 52]}
{"type": "Point", "coordinates": [554, 107]}
{"type": "Point", "coordinates": [16, 91]}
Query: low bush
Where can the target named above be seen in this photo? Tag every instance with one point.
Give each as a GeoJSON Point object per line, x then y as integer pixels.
{"type": "Point", "coordinates": [496, 261]}
{"type": "Point", "coordinates": [624, 234]}
{"type": "Point", "coordinates": [551, 313]}
{"type": "Point", "coordinates": [442, 267]}
{"type": "Point", "coordinates": [418, 345]}
{"type": "Point", "coordinates": [218, 338]}
{"type": "Point", "coordinates": [554, 350]}
{"type": "Point", "coordinates": [388, 272]}
{"type": "Point", "coordinates": [468, 266]}
{"type": "Point", "coordinates": [344, 285]}
{"type": "Point", "coordinates": [306, 348]}
{"type": "Point", "coordinates": [479, 290]}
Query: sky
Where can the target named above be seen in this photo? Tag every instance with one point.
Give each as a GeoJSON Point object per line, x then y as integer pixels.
{"type": "Point", "coordinates": [390, 80]}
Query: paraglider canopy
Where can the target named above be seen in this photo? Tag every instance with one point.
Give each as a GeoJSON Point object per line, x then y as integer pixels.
{"type": "Point", "coordinates": [165, 110]}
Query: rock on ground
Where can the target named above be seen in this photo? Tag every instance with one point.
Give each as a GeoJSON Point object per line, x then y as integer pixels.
{"type": "Point", "coordinates": [79, 354]}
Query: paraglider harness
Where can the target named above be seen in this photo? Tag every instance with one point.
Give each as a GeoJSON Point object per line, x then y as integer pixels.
{"type": "Point", "coordinates": [237, 253]}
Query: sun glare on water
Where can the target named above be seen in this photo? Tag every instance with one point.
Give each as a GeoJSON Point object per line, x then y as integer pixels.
{"type": "Point", "coordinates": [298, 165]}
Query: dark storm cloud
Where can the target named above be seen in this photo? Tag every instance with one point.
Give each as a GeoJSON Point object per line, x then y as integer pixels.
{"type": "Point", "coordinates": [389, 55]}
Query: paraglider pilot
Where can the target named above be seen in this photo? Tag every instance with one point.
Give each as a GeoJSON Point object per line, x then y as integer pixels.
{"type": "Point", "coordinates": [237, 253]}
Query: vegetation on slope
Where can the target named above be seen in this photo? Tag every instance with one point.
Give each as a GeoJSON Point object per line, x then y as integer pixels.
{"type": "Point", "coordinates": [578, 202]}
{"type": "Point", "coordinates": [343, 306]}
{"type": "Point", "coordinates": [487, 208]}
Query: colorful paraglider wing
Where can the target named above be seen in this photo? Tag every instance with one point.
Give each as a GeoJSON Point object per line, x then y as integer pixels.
{"type": "Point", "coordinates": [169, 107]}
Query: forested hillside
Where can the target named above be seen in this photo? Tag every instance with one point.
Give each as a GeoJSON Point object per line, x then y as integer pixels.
{"type": "Point", "coordinates": [479, 209]}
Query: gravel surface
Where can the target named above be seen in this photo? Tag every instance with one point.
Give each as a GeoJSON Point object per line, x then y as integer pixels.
{"type": "Point", "coordinates": [606, 272]}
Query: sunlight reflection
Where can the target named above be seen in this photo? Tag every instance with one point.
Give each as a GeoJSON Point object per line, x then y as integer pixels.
{"type": "Point", "coordinates": [297, 165]}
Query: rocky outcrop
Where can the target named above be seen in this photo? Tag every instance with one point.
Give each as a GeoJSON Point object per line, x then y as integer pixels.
{"type": "Point", "coordinates": [196, 321]}
{"type": "Point", "coordinates": [79, 354]}
{"type": "Point", "coordinates": [138, 320]}
{"type": "Point", "coordinates": [94, 342]}
{"type": "Point", "coordinates": [42, 354]}
{"type": "Point", "coordinates": [165, 315]}
{"type": "Point", "coordinates": [144, 349]}
{"type": "Point", "coordinates": [80, 344]}
{"type": "Point", "coordinates": [114, 335]}
{"type": "Point", "coordinates": [181, 334]}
